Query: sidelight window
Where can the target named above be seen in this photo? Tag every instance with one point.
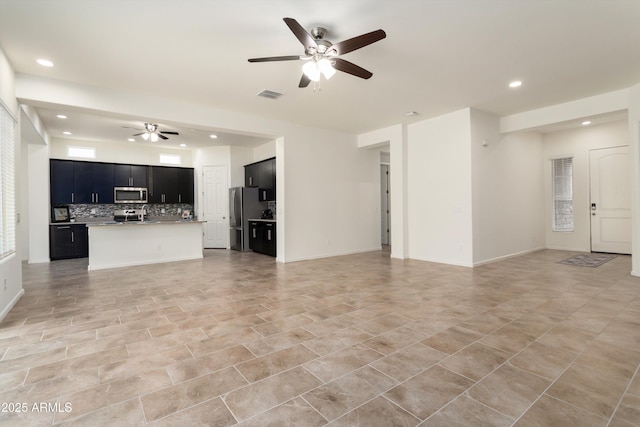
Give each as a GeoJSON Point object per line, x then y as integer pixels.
{"type": "Point", "coordinates": [562, 170]}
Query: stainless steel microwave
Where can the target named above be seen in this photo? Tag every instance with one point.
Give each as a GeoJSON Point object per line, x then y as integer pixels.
{"type": "Point", "coordinates": [130, 195]}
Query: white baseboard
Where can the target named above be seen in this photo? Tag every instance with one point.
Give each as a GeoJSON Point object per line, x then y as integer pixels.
{"type": "Point", "coordinates": [513, 255]}
{"type": "Point", "coordinates": [9, 306]}
{"type": "Point", "coordinates": [558, 248]}
{"type": "Point", "coordinates": [332, 255]}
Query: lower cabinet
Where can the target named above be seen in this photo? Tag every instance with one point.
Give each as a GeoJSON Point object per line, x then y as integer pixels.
{"type": "Point", "coordinates": [68, 241]}
{"type": "Point", "coordinates": [262, 237]}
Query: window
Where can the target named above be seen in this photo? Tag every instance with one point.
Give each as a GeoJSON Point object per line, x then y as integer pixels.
{"type": "Point", "coordinates": [170, 159]}
{"type": "Point", "coordinates": [82, 152]}
{"type": "Point", "coordinates": [562, 194]}
{"type": "Point", "coordinates": [7, 184]}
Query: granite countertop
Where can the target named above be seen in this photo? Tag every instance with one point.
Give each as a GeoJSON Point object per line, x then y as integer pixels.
{"type": "Point", "coordinates": [89, 222]}
{"type": "Point", "coordinates": [145, 222]}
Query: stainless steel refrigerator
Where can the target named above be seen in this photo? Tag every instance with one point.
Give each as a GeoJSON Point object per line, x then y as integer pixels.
{"type": "Point", "coordinates": [244, 204]}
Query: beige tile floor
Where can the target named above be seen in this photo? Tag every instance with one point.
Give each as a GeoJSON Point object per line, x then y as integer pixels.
{"type": "Point", "coordinates": [236, 339]}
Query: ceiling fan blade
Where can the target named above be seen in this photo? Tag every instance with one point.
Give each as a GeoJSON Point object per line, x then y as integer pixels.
{"type": "Point", "coordinates": [129, 127]}
{"type": "Point", "coordinates": [170, 133]}
{"type": "Point", "coordinates": [162, 136]}
{"type": "Point", "coordinates": [305, 38]}
{"type": "Point", "coordinates": [351, 68]}
{"type": "Point", "coordinates": [276, 58]}
{"type": "Point", "coordinates": [350, 45]}
{"type": "Point", "coordinates": [138, 134]}
{"type": "Point", "coordinates": [304, 81]}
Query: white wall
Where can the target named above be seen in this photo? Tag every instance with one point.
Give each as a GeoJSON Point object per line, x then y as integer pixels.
{"type": "Point", "coordinates": [634, 149]}
{"type": "Point", "coordinates": [133, 153]}
{"type": "Point", "coordinates": [34, 162]}
{"type": "Point", "coordinates": [577, 143]}
{"type": "Point", "coordinates": [508, 196]}
{"type": "Point", "coordinates": [10, 267]}
{"type": "Point", "coordinates": [439, 191]}
{"type": "Point", "coordinates": [264, 151]}
{"type": "Point", "coordinates": [38, 213]}
{"type": "Point", "coordinates": [332, 195]}
{"type": "Point", "coordinates": [240, 156]}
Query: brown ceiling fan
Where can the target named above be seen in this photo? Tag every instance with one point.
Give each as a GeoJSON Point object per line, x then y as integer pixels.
{"type": "Point", "coordinates": [322, 56]}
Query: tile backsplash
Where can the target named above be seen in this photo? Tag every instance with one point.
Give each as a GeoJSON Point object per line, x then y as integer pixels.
{"type": "Point", "coordinates": [100, 211]}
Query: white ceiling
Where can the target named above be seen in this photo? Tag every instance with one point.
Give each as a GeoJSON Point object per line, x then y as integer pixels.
{"type": "Point", "coordinates": [439, 56]}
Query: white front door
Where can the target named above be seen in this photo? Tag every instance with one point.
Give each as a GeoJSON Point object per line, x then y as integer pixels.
{"type": "Point", "coordinates": [610, 181]}
{"type": "Point", "coordinates": [216, 207]}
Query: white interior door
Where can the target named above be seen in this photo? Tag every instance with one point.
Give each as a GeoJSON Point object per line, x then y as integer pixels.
{"type": "Point", "coordinates": [216, 207]}
{"type": "Point", "coordinates": [610, 182]}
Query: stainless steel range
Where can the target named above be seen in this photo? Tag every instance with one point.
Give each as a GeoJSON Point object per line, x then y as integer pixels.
{"type": "Point", "coordinates": [126, 215]}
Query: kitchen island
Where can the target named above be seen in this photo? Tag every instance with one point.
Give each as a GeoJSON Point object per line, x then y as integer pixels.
{"type": "Point", "coordinates": [123, 244]}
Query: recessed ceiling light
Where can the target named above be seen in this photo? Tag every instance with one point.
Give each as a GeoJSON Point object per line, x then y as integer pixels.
{"type": "Point", "coordinates": [515, 83]}
{"type": "Point", "coordinates": [213, 136]}
{"type": "Point", "coordinates": [61, 116]}
{"type": "Point", "coordinates": [45, 62]}
{"type": "Point", "coordinates": [586, 122]}
{"type": "Point", "coordinates": [131, 139]}
{"type": "Point", "coordinates": [183, 145]}
{"type": "Point", "coordinates": [66, 132]}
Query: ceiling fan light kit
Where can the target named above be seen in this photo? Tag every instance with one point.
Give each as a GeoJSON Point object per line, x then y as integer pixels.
{"type": "Point", "coordinates": [322, 55]}
{"type": "Point", "coordinates": [152, 133]}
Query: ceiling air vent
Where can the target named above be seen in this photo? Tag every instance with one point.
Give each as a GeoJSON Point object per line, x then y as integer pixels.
{"type": "Point", "coordinates": [269, 94]}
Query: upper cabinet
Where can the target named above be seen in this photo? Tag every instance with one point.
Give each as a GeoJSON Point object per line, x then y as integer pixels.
{"type": "Point", "coordinates": [61, 179]}
{"type": "Point", "coordinates": [252, 175]}
{"type": "Point", "coordinates": [185, 185]}
{"type": "Point", "coordinates": [130, 175]}
{"type": "Point", "coordinates": [78, 182]}
{"type": "Point", "coordinates": [81, 182]}
{"type": "Point", "coordinates": [170, 185]}
{"type": "Point", "coordinates": [262, 175]}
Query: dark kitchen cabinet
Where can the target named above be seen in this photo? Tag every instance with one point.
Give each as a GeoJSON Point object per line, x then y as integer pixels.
{"type": "Point", "coordinates": [93, 182]}
{"type": "Point", "coordinates": [61, 181]}
{"type": "Point", "coordinates": [254, 231]}
{"type": "Point", "coordinates": [185, 185]}
{"type": "Point", "coordinates": [262, 237]}
{"type": "Point", "coordinates": [252, 175]}
{"type": "Point", "coordinates": [80, 182]}
{"type": "Point", "coordinates": [170, 185]}
{"type": "Point", "coordinates": [130, 175]}
{"type": "Point", "coordinates": [103, 182]}
{"type": "Point", "coordinates": [262, 175]}
{"type": "Point", "coordinates": [68, 241]}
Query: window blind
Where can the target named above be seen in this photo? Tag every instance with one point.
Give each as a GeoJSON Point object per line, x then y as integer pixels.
{"type": "Point", "coordinates": [562, 194]}
{"type": "Point", "coordinates": [7, 184]}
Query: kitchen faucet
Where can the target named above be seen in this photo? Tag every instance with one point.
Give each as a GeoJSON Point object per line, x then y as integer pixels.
{"type": "Point", "coordinates": [144, 207]}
